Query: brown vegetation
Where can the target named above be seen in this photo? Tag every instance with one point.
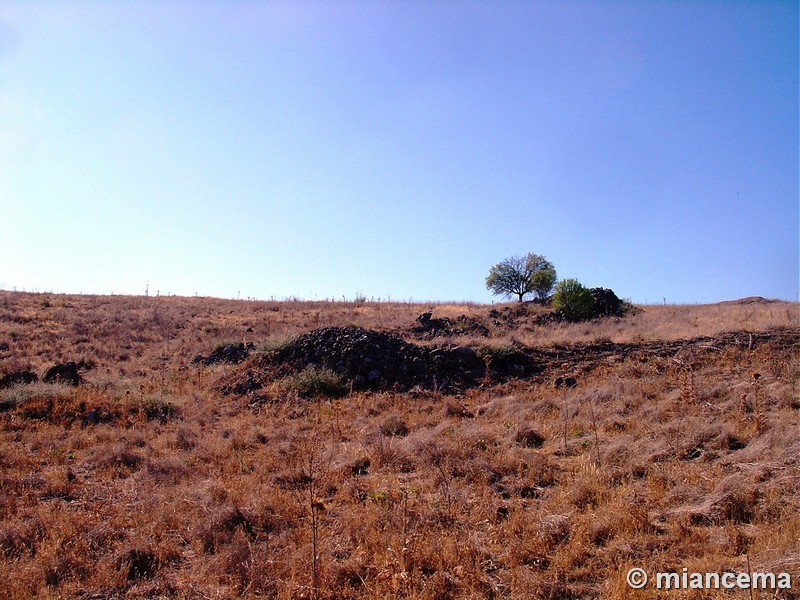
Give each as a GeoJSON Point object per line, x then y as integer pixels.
{"type": "Point", "coordinates": [665, 453]}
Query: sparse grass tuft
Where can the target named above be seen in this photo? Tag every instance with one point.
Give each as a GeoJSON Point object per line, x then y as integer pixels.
{"type": "Point", "coordinates": [314, 382]}
{"type": "Point", "coordinates": [18, 395]}
{"type": "Point", "coordinates": [274, 344]}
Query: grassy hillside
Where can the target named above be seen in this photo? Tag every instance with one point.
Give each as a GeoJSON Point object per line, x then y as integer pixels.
{"type": "Point", "coordinates": [678, 446]}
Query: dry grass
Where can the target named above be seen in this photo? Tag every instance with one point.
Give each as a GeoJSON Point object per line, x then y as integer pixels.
{"type": "Point", "coordinates": [518, 490]}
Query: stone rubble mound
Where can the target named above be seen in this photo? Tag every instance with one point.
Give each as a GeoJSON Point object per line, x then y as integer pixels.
{"type": "Point", "coordinates": [372, 360]}
{"type": "Point", "coordinates": [606, 303]}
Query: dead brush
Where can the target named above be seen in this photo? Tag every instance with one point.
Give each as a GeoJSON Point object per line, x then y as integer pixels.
{"type": "Point", "coordinates": [687, 380]}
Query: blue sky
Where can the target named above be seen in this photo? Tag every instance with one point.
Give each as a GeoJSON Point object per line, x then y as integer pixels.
{"type": "Point", "coordinates": [399, 149]}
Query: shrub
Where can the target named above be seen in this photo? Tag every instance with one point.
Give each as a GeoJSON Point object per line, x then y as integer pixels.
{"type": "Point", "coordinates": [572, 300]}
{"type": "Point", "coordinates": [394, 425]}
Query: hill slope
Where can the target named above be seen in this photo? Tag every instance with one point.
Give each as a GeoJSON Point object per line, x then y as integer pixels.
{"type": "Point", "coordinates": [674, 444]}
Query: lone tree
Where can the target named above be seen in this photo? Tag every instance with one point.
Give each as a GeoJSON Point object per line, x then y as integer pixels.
{"type": "Point", "coordinates": [520, 275]}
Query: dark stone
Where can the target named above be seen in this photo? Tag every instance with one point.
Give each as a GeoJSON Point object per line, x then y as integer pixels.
{"type": "Point", "coordinates": [63, 373]}
{"type": "Point", "coordinates": [360, 467]}
{"type": "Point", "coordinates": [92, 417]}
{"type": "Point", "coordinates": [511, 364]}
{"type": "Point", "coordinates": [140, 564]}
{"type": "Point", "coordinates": [530, 438]}
{"type": "Point", "coordinates": [18, 377]}
{"type": "Point", "coordinates": [230, 353]}
{"type": "Point", "coordinates": [565, 381]}
{"type": "Point", "coordinates": [428, 327]}
{"type": "Point", "coordinates": [428, 324]}
{"type": "Point", "coordinates": [606, 303]}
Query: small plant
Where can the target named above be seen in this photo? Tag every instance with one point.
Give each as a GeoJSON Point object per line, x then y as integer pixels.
{"type": "Point", "coordinates": [274, 345]}
{"type": "Point", "coordinates": [573, 300]}
{"type": "Point", "coordinates": [155, 408]}
{"type": "Point", "coordinates": [394, 426]}
{"type": "Point", "coordinates": [494, 353]}
{"type": "Point", "coordinates": [312, 382]}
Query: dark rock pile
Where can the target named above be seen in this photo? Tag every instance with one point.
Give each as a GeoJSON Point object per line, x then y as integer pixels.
{"type": "Point", "coordinates": [17, 377]}
{"type": "Point", "coordinates": [371, 360]}
{"type": "Point", "coordinates": [606, 303]}
{"type": "Point", "coordinates": [368, 359]}
{"type": "Point", "coordinates": [375, 361]}
{"type": "Point", "coordinates": [63, 373]}
{"type": "Point", "coordinates": [229, 353]}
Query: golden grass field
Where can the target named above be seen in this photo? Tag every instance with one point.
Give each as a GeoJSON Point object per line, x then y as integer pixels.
{"type": "Point", "coordinates": [671, 456]}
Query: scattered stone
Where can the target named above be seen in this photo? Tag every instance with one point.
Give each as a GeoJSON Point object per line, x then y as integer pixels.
{"type": "Point", "coordinates": [427, 324]}
{"type": "Point", "coordinates": [63, 373]}
{"type": "Point", "coordinates": [229, 353]}
{"type": "Point", "coordinates": [18, 377]}
{"type": "Point", "coordinates": [569, 382]}
{"type": "Point", "coordinates": [428, 327]}
{"type": "Point", "coordinates": [241, 384]}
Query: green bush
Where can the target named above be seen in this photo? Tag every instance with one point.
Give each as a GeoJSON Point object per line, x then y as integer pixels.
{"type": "Point", "coordinates": [572, 300]}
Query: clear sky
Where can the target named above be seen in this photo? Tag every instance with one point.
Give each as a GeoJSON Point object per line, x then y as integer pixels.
{"type": "Point", "coordinates": [399, 149]}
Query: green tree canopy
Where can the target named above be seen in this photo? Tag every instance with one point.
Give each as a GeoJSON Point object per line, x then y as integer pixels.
{"type": "Point", "coordinates": [521, 275]}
